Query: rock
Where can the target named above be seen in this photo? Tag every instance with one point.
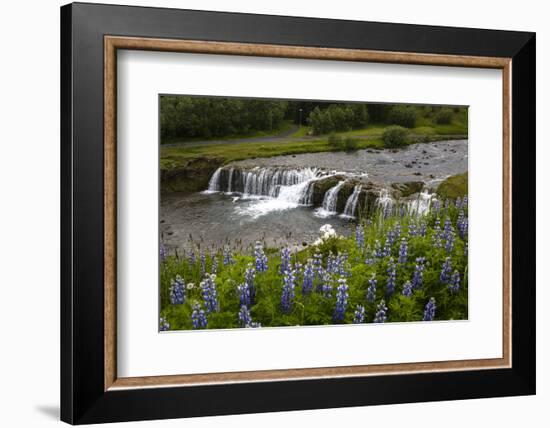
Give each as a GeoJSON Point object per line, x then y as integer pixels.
{"type": "Point", "coordinates": [409, 188]}
{"type": "Point", "coordinates": [417, 173]}
{"type": "Point", "coordinates": [408, 165]}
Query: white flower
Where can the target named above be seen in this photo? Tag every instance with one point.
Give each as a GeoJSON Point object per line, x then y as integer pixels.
{"type": "Point", "coordinates": [190, 286]}
{"type": "Point", "coordinates": [327, 231]}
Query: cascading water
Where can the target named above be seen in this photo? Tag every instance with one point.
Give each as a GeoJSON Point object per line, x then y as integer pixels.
{"type": "Point", "coordinates": [230, 180]}
{"type": "Point", "coordinates": [385, 202]}
{"type": "Point", "coordinates": [329, 201]}
{"type": "Point", "coordinates": [351, 203]}
{"type": "Point", "coordinates": [214, 183]}
{"type": "Point", "coordinates": [420, 205]}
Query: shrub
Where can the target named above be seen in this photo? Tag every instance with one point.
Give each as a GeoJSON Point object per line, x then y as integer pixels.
{"type": "Point", "coordinates": [339, 143]}
{"type": "Point", "coordinates": [351, 144]}
{"type": "Point", "coordinates": [403, 116]}
{"type": "Point", "coordinates": [443, 116]}
{"type": "Point", "coordinates": [395, 136]}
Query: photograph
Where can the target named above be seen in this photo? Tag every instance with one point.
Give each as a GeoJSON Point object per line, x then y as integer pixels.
{"type": "Point", "coordinates": [291, 213]}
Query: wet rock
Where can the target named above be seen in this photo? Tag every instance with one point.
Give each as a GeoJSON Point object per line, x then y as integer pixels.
{"type": "Point", "coordinates": [409, 188]}
{"type": "Point", "coordinates": [408, 165]}
{"type": "Point", "coordinates": [417, 173]}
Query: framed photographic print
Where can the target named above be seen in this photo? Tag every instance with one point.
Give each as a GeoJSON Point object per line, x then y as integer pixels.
{"type": "Point", "coordinates": [265, 213]}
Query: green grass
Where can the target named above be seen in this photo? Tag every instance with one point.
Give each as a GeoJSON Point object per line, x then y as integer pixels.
{"type": "Point", "coordinates": [316, 308]}
{"type": "Point", "coordinates": [303, 131]}
{"type": "Point", "coordinates": [454, 187]}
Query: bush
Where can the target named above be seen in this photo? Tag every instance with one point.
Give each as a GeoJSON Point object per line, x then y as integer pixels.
{"type": "Point", "coordinates": [403, 116]}
{"type": "Point", "coordinates": [395, 136]}
{"type": "Point", "coordinates": [339, 143]}
{"type": "Point", "coordinates": [443, 116]}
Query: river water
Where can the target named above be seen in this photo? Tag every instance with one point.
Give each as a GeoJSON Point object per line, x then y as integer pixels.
{"type": "Point", "coordinates": [216, 218]}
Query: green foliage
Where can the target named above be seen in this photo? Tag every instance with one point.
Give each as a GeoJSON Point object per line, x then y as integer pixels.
{"type": "Point", "coordinates": [315, 308]}
{"type": "Point", "coordinates": [443, 116]}
{"type": "Point", "coordinates": [454, 187]}
{"type": "Point", "coordinates": [403, 115]}
{"type": "Point", "coordinates": [338, 142]}
{"type": "Point", "coordinates": [395, 136]}
{"type": "Point", "coordinates": [338, 117]}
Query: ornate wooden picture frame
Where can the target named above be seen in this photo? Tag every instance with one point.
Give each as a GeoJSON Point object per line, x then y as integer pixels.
{"type": "Point", "coordinates": [91, 390]}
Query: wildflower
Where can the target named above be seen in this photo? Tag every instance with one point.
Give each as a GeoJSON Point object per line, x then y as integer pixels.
{"type": "Point", "coordinates": [371, 290]}
{"type": "Point", "coordinates": [203, 263]}
{"type": "Point", "coordinates": [445, 275]}
{"type": "Point", "coordinates": [163, 252]}
{"type": "Point", "coordinates": [390, 284]}
{"type": "Point", "coordinates": [462, 224]}
{"type": "Point", "coordinates": [390, 237]}
{"type": "Point", "coordinates": [450, 242]}
{"type": "Point", "coordinates": [246, 319]}
{"type": "Point", "coordinates": [342, 264]}
{"type": "Point", "coordinates": [285, 260]}
{"type": "Point", "coordinates": [326, 285]}
{"type": "Point", "coordinates": [163, 324]}
{"type": "Point", "coordinates": [287, 298]}
{"type": "Point", "coordinates": [437, 235]}
{"type": "Point", "coordinates": [413, 231]}
{"type": "Point", "coordinates": [341, 300]}
{"type": "Point", "coordinates": [191, 257]}
{"type": "Point", "coordinates": [429, 311]}
{"type": "Point", "coordinates": [177, 291]}
{"type": "Point", "coordinates": [309, 274]}
{"type": "Point", "coordinates": [418, 275]}
{"type": "Point", "coordinates": [359, 315]}
{"type": "Point", "coordinates": [403, 251]}
{"type": "Point", "coordinates": [397, 230]}
{"type": "Point", "coordinates": [387, 248]}
{"type": "Point", "coordinates": [227, 256]}
{"type": "Point", "coordinates": [422, 230]}
{"type": "Point", "coordinates": [198, 317]}
{"type": "Point", "coordinates": [261, 258]}
{"type": "Point", "coordinates": [360, 237]}
{"type": "Point", "coordinates": [436, 206]}
{"type": "Point", "coordinates": [407, 289]}
{"type": "Point", "coordinates": [454, 285]}
{"type": "Point", "coordinates": [318, 265]}
{"type": "Point", "coordinates": [209, 293]}
{"type": "Point", "coordinates": [377, 249]}
{"type": "Point", "coordinates": [214, 268]}
{"type": "Point", "coordinates": [249, 275]}
{"type": "Point", "coordinates": [465, 202]}
{"type": "Point", "coordinates": [458, 202]}
{"type": "Point", "coordinates": [245, 299]}
{"type": "Point", "coordinates": [190, 285]}
{"type": "Point", "coordinates": [380, 315]}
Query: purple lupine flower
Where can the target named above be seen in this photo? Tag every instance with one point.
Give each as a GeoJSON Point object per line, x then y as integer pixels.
{"type": "Point", "coordinates": [244, 316]}
{"type": "Point", "coordinates": [227, 256]}
{"type": "Point", "coordinates": [177, 291]}
{"type": "Point", "coordinates": [163, 324]}
{"type": "Point", "coordinates": [462, 224]}
{"type": "Point", "coordinates": [214, 267]}
{"type": "Point", "coordinates": [369, 260]}
{"type": "Point", "coordinates": [245, 297]}
{"type": "Point", "coordinates": [198, 317]}
{"type": "Point", "coordinates": [249, 275]}
{"type": "Point", "coordinates": [413, 230]}
{"type": "Point", "coordinates": [390, 284]}
{"type": "Point", "coordinates": [163, 252]}
{"type": "Point", "coordinates": [407, 289]}
{"type": "Point", "coordinates": [341, 300]}
{"type": "Point", "coordinates": [418, 275]}
{"type": "Point", "coordinates": [446, 269]}
{"type": "Point", "coordinates": [436, 206]}
{"type": "Point", "coordinates": [309, 274]}
{"type": "Point", "coordinates": [447, 203]}
{"type": "Point", "coordinates": [191, 257]}
{"type": "Point", "coordinates": [261, 258]}
{"type": "Point", "coordinates": [403, 249]}
{"type": "Point", "coordinates": [390, 237]}
{"type": "Point", "coordinates": [450, 242]}
{"type": "Point", "coordinates": [343, 264]}
{"type": "Point", "coordinates": [359, 236]}
{"type": "Point", "coordinates": [318, 265]}
{"type": "Point", "coordinates": [209, 293]}
{"type": "Point", "coordinates": [429, 310]}
{"type": "Point", "coordinates": [454, 285]}
{"type": "Point", "coordinates": [377, 252]}
{"type": "Point", "coordinates": [371, 290]}
{"type": "Point", "coordinates": [359, 315]}
{"type": "Point", "coordinates": [380, 315]}
{"type": "Point", "coordinates": [203, 263]}
{"type": "Point", "coordinates": [447, 227]}
{"type": "Point", "coordinates": [458, 202]}
{"type": "Point", "coordinates": [465, 202]}
{"type": "Point", "coordinates": [387, 249]}
{"type": "Point", "coordinates": [437, 235]}
{"type": "Point", "coordinates": [326, 285]}
{"type": "Point", "coordinates": [287, 297]}
{"type": "Point", "coordinates": [397, 231]}
{"type": "Point", "coordinates": [285, 260]}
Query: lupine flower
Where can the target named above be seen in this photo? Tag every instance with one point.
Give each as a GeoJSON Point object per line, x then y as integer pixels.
{"type": "Point", "coordinates": [447, 203]}
{"type": "Point", "coordinates": [214, 268]}
{"type": "Point", "coordinates": [429, 311]}
{"type": "Point", "coordinates": [177, 291]}
{"type": "Point", "coordinates": [163, 324]}
{"type": "Point", "coordinates": [380, 315]}
{"type": "Point", "coordinates": [359, 315]}
{"type": "Point", "coordinates": [445, 275]}
{"type": "Point", "coordinates": [413, 231]}
{"type": "Point", "coordinates": [458, 202]}
{"type": "Point", "coordinates": [163, 252]}
{"type": "Point", "coordinates": [227, 256]}
{"type": "Point", "coordinates": [390, 284]}
{"type": "Point", "coordinates": [436, 206]}
{"type": "Point", "coordinates": [377, 249]}
{"type": "Point", "coordinates": [326, 285]}
{"type": "Point", "coordinates": [407, 289]}
{"type": "Point", "coordinates": [261, 258]}
{"type": "Point", "coordinates": [436, 237]}
{"type": "Point", "coordinates": [465, 202]}
{"type": "Point", "coordinates": [246, 319]}
{"type": "Point", "coordinates": [462, 225]}
{"type": "Point", "coordinates": [422, 230]}
{"type": "Point", "coordinates": [209, 293]}
{"type": "Point", "coordinates": [450, 242]}
{"type": "Point", "coordinates": [369, 260]}
{"type": "Point", "coordinates": [359, 236]}
{"type": "Point", "coordinates": [387, 249]}
{"type": "Point", "coordinates": [249, 275]}
{"type": "Point", "coordinates": [447, 228]}
{"type": "Point", "coordinates": [403, 251]}
{"type": "Point", "coordinates": [285, 260]}
{"type": "Point", "coordinates": [454, 285]}
{"type": "Point", "coordinates": [191, 257]}
{"type": "Point", "coordinates": [287, 298]}
{"type": "Point", "coordinates": [203, 263]}
{"type": "Point", "coordinates": [342, 264]}
{"type": "Point", "coordinates": [245, 298]}
{"type": "Point", "coordinates": [390, 237]}
{"type": "Point", "coordinates": [330, 263]}
{"type": "Point", "coordinates": [397, 230]}
{"type": "Point", "coordinates": [198, 317]}
{"type": "Point", "coordinates": [318, 265]}
{"type": "Point", "coordinates": [309, 274]}
{"type": "Point", "coordinates": [371, 290]}
{"type": "Point", "coordinates": [418, 275]}
{"type": "Point", "coordinates": [341, 300]}
{"type": "Point", "coordinates": [402, 211]}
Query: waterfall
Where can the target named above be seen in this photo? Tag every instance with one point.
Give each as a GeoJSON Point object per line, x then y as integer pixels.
{"type": "Point", "coordinates": [291, 185]}
{"type": "Point", "coordinates": [331, 198]}
{"type": "Point", "coordinates": [420, 205]}
{"type": "Point", "coordinates": [214, 184]}
{"type": "Point", "coordinates": [385, 202]}
{"type": "Point", "coordinates": [351, 203]}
